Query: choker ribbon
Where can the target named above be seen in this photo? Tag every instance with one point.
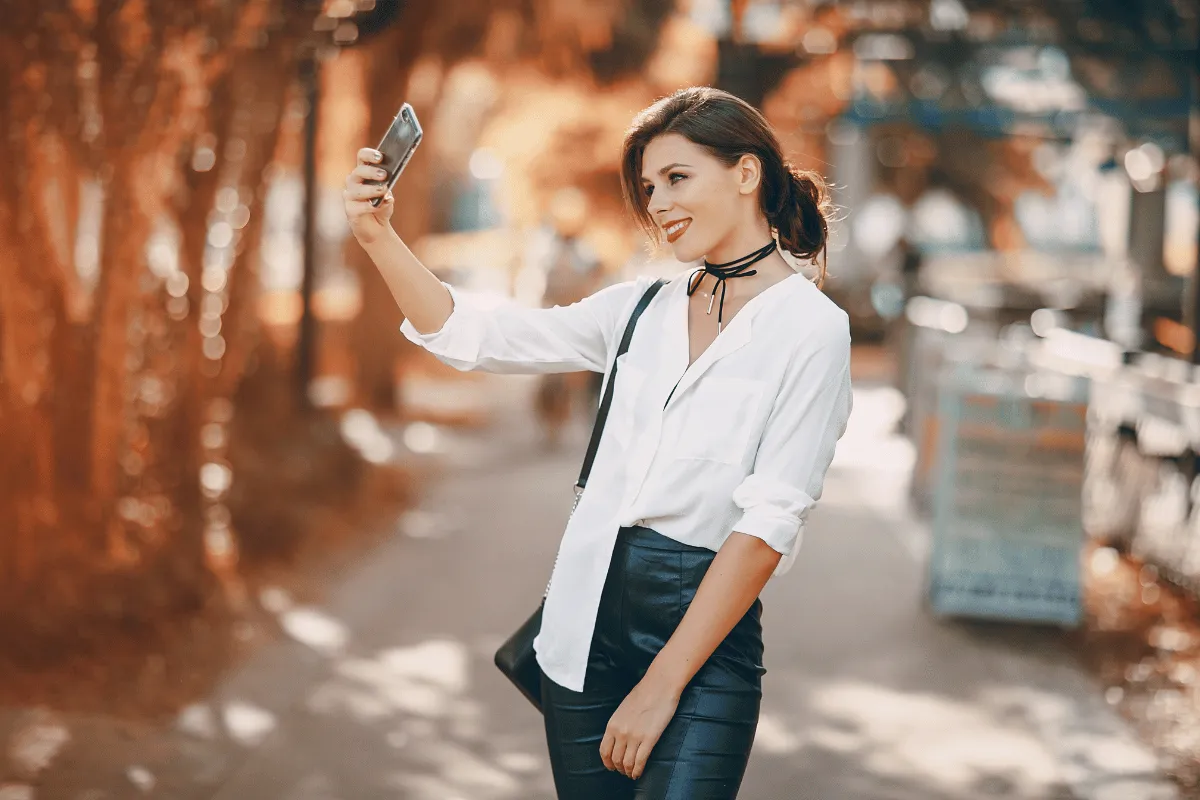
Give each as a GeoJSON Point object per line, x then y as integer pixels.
{"type": "Point", "coordinates": [738, 268]}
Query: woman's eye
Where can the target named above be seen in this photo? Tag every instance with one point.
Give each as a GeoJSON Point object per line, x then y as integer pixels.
{"type": "Point", "coordinates": [648, 189]}
{"type": "Point", "coordinates": [675, 175]}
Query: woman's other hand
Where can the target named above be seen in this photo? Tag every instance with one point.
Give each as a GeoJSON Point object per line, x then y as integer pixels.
{"type": "Point", "coordinates": [636, 727]}
{"type": "Point", "coordinates": [367, 222]}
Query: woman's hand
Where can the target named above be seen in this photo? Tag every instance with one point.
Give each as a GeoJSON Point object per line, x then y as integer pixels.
{"type": "Point", "coordinates": [368, 222]}
{"type": "Point", "coordinates": [636, 727]}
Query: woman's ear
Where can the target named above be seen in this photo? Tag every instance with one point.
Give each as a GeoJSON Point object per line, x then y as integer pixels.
{"type": "Point", "coordinates": [749, 174]}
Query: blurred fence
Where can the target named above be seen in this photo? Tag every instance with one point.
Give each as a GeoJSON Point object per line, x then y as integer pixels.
{"type": "Point", "coordinates": [1025, 444]}
{"type": "Point", "coordinates": [1006, 517]}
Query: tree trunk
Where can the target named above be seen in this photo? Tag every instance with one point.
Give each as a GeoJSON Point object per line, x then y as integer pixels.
{"type": "Point", "coordinates": [241, 316]}
{"type": "Point", "coordinates": [30, 305]}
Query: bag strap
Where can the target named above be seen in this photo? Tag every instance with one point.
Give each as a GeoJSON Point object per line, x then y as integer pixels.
{"type": "Point", "coordinates": [602, 414]}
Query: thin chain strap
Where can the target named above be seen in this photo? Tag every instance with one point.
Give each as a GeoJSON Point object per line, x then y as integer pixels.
{"type": "Point", "coordinates": [602, 414]}
{"type": "Point", "coordinates": [575, 505]}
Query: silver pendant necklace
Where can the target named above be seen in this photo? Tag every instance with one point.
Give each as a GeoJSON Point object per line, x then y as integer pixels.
{"type": "Point", "coordinates": [738, 268]}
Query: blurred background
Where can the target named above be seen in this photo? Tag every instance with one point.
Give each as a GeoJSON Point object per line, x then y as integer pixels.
{"type": "Point", "coordinates": [253, 544]}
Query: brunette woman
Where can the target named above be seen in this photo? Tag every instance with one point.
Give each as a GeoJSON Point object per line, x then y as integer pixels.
{"type": "Point", "coordinates": [727, 408]}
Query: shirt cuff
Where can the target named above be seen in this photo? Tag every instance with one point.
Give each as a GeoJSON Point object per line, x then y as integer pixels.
{"type": "Point", "coordinates": [774, 512]}
{"type": "Point", "coordinates": [458, 339]}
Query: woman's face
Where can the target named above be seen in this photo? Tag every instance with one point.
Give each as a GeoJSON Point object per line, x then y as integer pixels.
{"type": "Point", "coordinates": [693, 198]}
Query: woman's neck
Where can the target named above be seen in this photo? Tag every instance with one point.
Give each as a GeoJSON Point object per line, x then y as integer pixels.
{"type": "Point", "coordinates": [770, 271]}
{"type": "Point", "coordinates": [742, 240]}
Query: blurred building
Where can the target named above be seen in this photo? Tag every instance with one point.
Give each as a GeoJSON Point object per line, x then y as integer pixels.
{"type": "Point", "coordinates": [974, 127]}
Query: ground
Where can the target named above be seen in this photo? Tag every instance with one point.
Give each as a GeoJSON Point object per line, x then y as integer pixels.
{"type": "Point", "coordinates": [385, 687]}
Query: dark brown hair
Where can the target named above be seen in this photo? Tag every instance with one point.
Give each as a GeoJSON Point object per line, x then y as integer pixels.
{"type": "Point", "coordinates": [795, 202]}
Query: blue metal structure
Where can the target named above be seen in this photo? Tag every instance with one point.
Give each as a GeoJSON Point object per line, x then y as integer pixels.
{"type": "Point", "coordinates": [1007, 507]}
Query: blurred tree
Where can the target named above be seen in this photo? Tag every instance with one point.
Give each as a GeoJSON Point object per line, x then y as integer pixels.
{"type": "Point", "coordinates": [141, 420]}
{"type": "Point", "coordinates": [123, 124]}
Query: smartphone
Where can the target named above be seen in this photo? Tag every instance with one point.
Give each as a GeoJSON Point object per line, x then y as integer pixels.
{"type": "Point", "coordinates": [398, 145]}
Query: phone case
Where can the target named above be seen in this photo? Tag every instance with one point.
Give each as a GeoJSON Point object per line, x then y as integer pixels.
{"type": "Point", "coordinates": [398, 145]}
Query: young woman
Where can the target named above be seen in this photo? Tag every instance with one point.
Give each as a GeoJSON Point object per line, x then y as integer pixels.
{"type": "Point", "coordinates": [727, 408]}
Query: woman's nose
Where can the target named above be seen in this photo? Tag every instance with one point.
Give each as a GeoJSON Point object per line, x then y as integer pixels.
{"type": "Point", "coordinates": [657, 205]}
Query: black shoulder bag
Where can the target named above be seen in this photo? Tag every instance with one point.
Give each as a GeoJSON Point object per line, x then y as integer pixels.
{"type": "Point", "coordinates": [516, 658]}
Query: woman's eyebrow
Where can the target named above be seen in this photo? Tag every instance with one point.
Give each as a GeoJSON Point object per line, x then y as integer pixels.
{"type": "Point", "coordinates": [667, 169]}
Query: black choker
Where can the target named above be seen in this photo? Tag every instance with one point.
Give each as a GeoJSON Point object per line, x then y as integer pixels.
{"type": "Point", "coordinates": [730, 269]}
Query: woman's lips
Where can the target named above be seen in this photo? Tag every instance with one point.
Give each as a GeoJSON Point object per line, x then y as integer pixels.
{"type": "Point", "coordinates": [677, 229]}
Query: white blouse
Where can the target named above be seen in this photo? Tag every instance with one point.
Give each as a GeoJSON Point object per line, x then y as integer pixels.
{"type": "Point", "coordinates": [738, 441]}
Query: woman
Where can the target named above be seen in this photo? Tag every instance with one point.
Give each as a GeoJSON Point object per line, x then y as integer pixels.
{"type": "Point", "coordinates": [721, 430]}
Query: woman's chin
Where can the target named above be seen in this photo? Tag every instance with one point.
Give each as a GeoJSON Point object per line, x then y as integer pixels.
{"type": "Point", "coordinates": [686, 254]}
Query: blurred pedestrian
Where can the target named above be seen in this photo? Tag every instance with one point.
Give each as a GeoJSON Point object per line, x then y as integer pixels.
{"type": "Point", "coordinates": [573, 271]}
{"type": "Point", "coordinates": [900, 330]}
{"type": "Point", "coordinates": [911, 264]}
{"type": "Point", "coordinates": [726, 411]}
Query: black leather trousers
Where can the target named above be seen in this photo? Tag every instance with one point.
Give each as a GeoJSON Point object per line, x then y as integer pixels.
{"type": "Point", "coordinates": [702, 753]}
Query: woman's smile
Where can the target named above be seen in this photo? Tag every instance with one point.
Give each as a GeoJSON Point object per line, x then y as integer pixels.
{"type": "Point", "coordinates": [676, 229]}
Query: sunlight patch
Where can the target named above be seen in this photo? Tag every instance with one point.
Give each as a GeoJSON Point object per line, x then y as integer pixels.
{"type": "Point", "coordinates": [142, 778]}
{"type": "Point", "coordinates": [362, 431]}
{"type": "Point", "coordinates": [423, 524]}
{"type": "Point", "coordinates": [931, 738]}
{"type": "Point", "coordinates": [316, 629]}
{"type": "Point", "coordinates": [275, 599]}
{"type": "Point", "coordinates": [425, 787]}
{"type": "Point", "coordinates": [427, 680]}
{"type": "Point", "coordinates": [248, 724]}
{"type": "Point", "coordinates": [423, 438]}
{"type": "Point", "coordinates": [441, 662]}
{"type": "Point", "coordinates": [197, 720]}
{"type": "Point", "coordinates": [521, 763]}
{"type": "Point", "coordinates": [467, 771]}
{"type": "Point", "coordinates": [1124, 790]}
{"type": "Point", "coordinates": [1095, 743]}
{"type": "Point", "coordinates": [835, 739]}
{"type": "Point", "coordinates": [34, 746]}
{"type": "Point", "coordinates": [774, 737]}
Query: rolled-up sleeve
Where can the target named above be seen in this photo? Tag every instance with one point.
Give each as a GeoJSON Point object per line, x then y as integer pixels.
{"type": "Point", "coordinates": [808, 417]}
{"type": "Point", "coordinates": [496, 334]}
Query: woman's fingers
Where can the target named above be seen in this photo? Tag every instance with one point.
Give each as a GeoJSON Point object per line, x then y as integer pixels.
{"type": "Point", "coordinates": [367, 172]}
{"type": "Point", "coordinates": [606, 748]}
{"type": "Point", "coordinates": [364, 184]}
{"type": "Point", "coordinates": [367, 169]}
{"type": "Point", "coordinates": [629, 761]}
{"type": "Point", "coordinates": [365, 175]}
{"type": "Point", "coordinates": [626, 753]}
{"type": "Point", "coordinates": [618, 756]}
{"type": "Point", "coordinates": [365, 191]}
{"type": "Point", "coordinates": [640, 759]}
{"type": "Point", "coordinates": [619, 752]}
{"type": "Point", "coordinates": [356, 207]}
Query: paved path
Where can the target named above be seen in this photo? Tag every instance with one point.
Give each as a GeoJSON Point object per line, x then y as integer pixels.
{"type": "Point", "coordinates": [388, 691]}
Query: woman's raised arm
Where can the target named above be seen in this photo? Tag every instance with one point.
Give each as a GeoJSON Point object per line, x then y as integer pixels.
{"type": "Point", "coordinates": [494, 334]}
{"type": "Point", "coordinates": [420, 295]}
{"type": "Point", "coordinates": [469, 331]}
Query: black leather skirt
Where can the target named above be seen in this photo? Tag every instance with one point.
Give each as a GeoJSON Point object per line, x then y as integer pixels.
{"type": "Point", "coordinates": [703, 752]}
